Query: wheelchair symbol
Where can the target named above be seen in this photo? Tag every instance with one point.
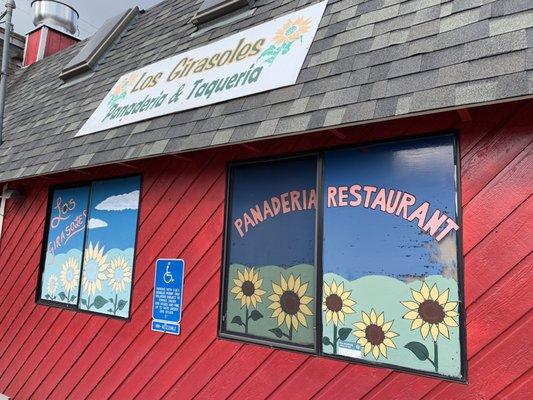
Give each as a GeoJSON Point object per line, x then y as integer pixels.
{"type": "Point", "coordinates": [167, 276]}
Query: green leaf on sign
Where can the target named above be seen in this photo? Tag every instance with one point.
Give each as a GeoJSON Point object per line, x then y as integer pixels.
{"type": "Point", "coordinates": [111, 300]}
{"type": "Point", "coordinates": [84, 302]}
{"type": "Point", "coordinates": [255, 315]}
{"type": "Point", "coordinates": [121, 304]}
{"type": "Point", "coordinates": [99, 302]}
{"type": "Point", "coordinates": [344, 333]}
{"type": "Point", "coordinates": [326, 341]}
{"type": "Point", "coordinates": [62, 295]}
{"type": "Point", "coordinates": [47, 296]}
{"type": "Point", "coordinates": [237, 320]}
{"type": "Point", "coordinates": [277, 332]}
{"type": "Point", "coordinates": [72, 298]}
{"type": "Point", "coordinates": [110, 310]}
{"type": "Point", "coordinates": [418, 349]}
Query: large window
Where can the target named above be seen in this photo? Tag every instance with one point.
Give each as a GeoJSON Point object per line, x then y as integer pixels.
{"type": "Point", "coordinates": [386, 254]}
{"type": "Point", "coordinates": [89, 250]}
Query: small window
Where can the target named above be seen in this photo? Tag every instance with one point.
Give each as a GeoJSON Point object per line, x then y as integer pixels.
{"type": "Point", "coordinates": [212, 9]}
{"type": "Point", "coordinates": [90, 246]}
{"type": "Point", "coordinates": [385, 248]}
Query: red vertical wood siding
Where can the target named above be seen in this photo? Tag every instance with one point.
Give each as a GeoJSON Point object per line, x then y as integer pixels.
{"type": "Point", "coordinates": [48, 353]}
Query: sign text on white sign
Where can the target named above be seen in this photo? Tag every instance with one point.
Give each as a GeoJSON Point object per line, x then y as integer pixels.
{"type": "Point", "coordinates": [265, 57]}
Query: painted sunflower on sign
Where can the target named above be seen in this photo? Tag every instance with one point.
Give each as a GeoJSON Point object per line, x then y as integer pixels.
{"type": "Point", "coordinates": [248, 290]}
{"type": "Point", "coordinates": [119, 275]}
{"type": "Point", "coordinates": [52, 286]}
{"type": "Point", "coordinates": [292, 30]}
{"type": "Point", "coordinates": [70, 277]}
{"type": "Point", "coordinates": [94, 269]}
{"type": "Point", "coordinates": [374, 334]}
{"type": "Point", "coordinates": [290, 304]}
{"type": "Point", "coordinates": [337, 303]}
{"type": "Point", "coordinates": [431, 312]}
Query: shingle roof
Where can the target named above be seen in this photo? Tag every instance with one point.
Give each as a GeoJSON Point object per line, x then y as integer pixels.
{"type": "Point", "coordinates": [370, 60]}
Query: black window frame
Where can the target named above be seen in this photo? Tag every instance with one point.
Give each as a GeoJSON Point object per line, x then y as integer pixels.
{"type": "Point", "coordinates": [318, 295]}
{"type": "Point", "coordinates": [86, 183]}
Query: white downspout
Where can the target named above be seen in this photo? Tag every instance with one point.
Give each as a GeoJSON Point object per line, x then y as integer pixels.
{"type": "Point", "coordinates": [2, 209]}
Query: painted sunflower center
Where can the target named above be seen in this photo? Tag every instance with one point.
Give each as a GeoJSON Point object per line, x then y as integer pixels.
{"type": "Point", "coordinates": [290, 302]}
{"type": "Point", "coordinates": [334, 303]}
{"type": "Point", "coordinates": [248, 288]}
{"type": "Point", "coordinates": [374, 334]}
{"type": "Point", "coordinates": [431, 311]}
{"type": "Point", "coordinates": [119, 274]}
{"type": "Point", "coordinates": [69, 275]}
{"type": "Point", "coordinates": [91, 271]}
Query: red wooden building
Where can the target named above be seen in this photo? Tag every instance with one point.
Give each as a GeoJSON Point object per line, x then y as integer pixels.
{"type": "Point", "coordinates": [375, 74]}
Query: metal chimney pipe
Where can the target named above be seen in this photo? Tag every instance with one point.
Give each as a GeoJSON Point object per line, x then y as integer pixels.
{"type": "Point", "coordinates": [56, 14]}
{"type": "Point", "coordinates": [10, 6]}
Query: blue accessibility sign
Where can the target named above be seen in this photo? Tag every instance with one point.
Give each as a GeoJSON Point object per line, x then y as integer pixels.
{"type": "Point", "coordinates": [168, 295]}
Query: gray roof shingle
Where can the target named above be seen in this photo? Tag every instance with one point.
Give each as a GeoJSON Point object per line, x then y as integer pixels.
{"type": "Point", "coordinates": [370, 59]}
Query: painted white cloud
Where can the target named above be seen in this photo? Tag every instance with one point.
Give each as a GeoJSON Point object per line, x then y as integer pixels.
{"type": "Point", "coordinates": [121, 202]}
{"type": "Point", "coordinates": [95, 223]}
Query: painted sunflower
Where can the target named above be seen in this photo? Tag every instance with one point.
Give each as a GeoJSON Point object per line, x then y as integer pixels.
{"type": "Point", "coordinates": [119, 274]}
{"type": "Point", "coordinates": [52, 285]}
{"type": "Point", "coordinates": [94, 269]}
{"type": "Point", "coordinates": [292, 31]}
{"type": "Point", "coordinates": [247, 287]}
{"type": "Point", "coordinates": [70, 274]}
{"type": "Point", "coordinates": [337, 303]}
{"type": "Point", "coordinates": [374, 334]}
{"type": "Point", "coordinates": [289, 302]}
{"type": "Point", "coordinates": [431, 311]}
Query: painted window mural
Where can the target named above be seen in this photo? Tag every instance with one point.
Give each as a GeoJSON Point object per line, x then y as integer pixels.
{"type": "Point", "coordinates": [91, 245]}
{"type": "Point", "coordinates": [390, 255]}
{"type": "Point", "coordinates": [64, 247]}
{"type": "Point", "coordinates": [270, 284]}
{"type": "Point", "coordinates": [390, 263]}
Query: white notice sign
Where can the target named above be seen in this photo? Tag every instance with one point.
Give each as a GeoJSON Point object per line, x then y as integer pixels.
{"type": "Point", "coordinates": [265, 57]}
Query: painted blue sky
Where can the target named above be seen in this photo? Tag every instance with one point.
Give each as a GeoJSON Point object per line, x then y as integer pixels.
{"type": "Point", "coordinates": [287, 239]}
{"type": "Point", "coordinates": [360, 241]}
{"type": "Point", "coordinates": [113, 213]}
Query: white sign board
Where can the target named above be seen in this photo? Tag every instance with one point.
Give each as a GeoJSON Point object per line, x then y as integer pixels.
{"type": "Point", "coordinates": [265, 57]}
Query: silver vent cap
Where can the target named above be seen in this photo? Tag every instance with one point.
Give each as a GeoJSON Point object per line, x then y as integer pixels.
{"type": "Point", "coordinates": [56, 14]}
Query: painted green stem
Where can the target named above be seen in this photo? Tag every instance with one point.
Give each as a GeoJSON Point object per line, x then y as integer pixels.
{"type": "Point", "coordinates": [436, 356]}
{"type": "Point", "coordinates": [335, 339]}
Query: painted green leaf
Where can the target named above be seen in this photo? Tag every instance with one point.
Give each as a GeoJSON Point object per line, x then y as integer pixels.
{"type": "Point", "coordinates": [326, 341]}
{"type": "Point", "coordinates": [111, 300]}
{"type": "Point", "coordinates": [47, 296]}
{"type": "Point", "coordinates": [72, 298]}
{"type": "Point", "coordinates": [62, 295]}
{"type": "Point", "coordinates": [418, 349]}
{"type": "Point", "coordinates": [237, 320]}
{"type": "Point", "coordinates": [110, 310]}
{"type": "Point", "coordinates": [84, 302]}
{"type": "Point", "coordinates": [277, 332]}
{"type": "Point", "coordinates": [255, 315]}
{"type": "Point", "coordinates": [99, 302]}
{"type": "Point", "coordinates": [344, 333]}
{"type": "Point", "coordinates": [121, 304]}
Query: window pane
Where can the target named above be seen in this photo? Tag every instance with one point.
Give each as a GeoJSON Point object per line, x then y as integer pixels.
{"type": "Point", "coordinates": [270, 287]}
{"type": "Point", "coordinates": [65, 235]}
{"type": "Point", "coordinates": [390, 255]}
{"type": "Point", "coordinates": [107, 272]}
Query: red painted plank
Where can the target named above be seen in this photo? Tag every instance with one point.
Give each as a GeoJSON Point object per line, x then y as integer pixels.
{"type": "Point", "coordinates": [520, 389]}
{"type": "Point", "coordinates": [503, 194]}
{"type": "Point", "coordinates": [511, 352]}
{"type": "Point", "coordinates": [494, 153]}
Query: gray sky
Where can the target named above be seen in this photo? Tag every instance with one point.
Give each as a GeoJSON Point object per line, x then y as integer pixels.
{"type": "Point", "coordinates": [93, 13]}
